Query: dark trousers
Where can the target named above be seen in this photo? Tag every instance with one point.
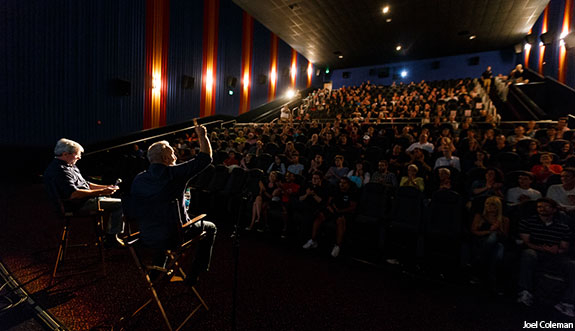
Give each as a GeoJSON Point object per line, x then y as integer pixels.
{"type": "Point", "coordinates": [532, 260]}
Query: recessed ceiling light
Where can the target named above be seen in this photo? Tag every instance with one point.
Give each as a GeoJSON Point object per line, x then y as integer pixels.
{"type": "Point", "coordinates": [388, 20]}
{"type": "Point", "coordinates": [472, 37]}
{"type": "Point", "coordinates": [341, 56]}
{"type": "Point", "coordinates": [398, 48]}
{"type": "Point", "coordinates": [386, 9]}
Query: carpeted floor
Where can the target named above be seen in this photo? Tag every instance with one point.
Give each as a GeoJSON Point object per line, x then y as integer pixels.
{"type": "Point", "coordinates": [281, 287]}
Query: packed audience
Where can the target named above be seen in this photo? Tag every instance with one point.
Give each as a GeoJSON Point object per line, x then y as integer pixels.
{"type": "Point", "coordinates": [517, 182]}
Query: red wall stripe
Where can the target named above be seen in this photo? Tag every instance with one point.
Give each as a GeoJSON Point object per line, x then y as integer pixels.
{"type": "Point", "coordinates": [210, 57]}
{"type": "Point", "coordinates": [293, 68]}
{"type": "Point", "coordinates": [157, 42]}
{"type": "Point", "coordinates": [247, 54]}
{"type": "Point", "coordinates": [273, 67]}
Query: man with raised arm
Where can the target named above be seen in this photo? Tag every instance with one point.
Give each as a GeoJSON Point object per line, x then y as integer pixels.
{"type": "Point", "coordinates": [155, 190]}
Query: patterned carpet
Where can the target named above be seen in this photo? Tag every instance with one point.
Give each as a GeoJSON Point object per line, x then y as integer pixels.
{"type": "Point", "coordinates": [281, 287]}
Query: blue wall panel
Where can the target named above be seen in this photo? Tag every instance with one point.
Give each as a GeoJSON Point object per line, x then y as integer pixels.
{"type": "Point", "coordinates": [284, 65]}
{"type": "Point", "coordinates": [59, 57]}
{"type": "Point", "coordinates": [184, 58]}
{"type": "Point", "coordinates": [229, 58]}
{"type": "Point", "coordinates": [261, 65]}
{"type": "Point", "coordinates": [450, 67]}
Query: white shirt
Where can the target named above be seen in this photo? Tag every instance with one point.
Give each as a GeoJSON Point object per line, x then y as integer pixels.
{"type": "Point", "coordinates": [427, 146]}
{"type": "Point", "coordinates": [444, 162]}
{"type": "Point", "coordinates": [561, 196]}
{"type": "Point", "coordinates": [515, 192]}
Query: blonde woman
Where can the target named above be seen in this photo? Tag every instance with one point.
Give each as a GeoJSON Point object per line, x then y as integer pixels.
{"type": "Point", "coordinates": [489, 229]}
{"type": "Point", "coordinates": [411, 179]}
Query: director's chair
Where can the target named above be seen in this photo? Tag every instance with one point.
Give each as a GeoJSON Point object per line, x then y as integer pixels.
{"type": "Point", "coordinates": [168, 271]}
{"type": "Point", "coordinates": [69, 217]}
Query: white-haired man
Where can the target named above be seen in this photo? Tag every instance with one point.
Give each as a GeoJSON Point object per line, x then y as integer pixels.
{"type": "Point", "coordinates": [153, 193]}
{"type": "Point", "coordinates": [66, 182]}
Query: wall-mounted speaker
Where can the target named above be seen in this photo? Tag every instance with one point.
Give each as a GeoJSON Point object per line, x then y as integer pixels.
{"type": "Point", "coordinates": [473, 61]}
{"type": "Point", "coordinates": [345, 74]}
{"type": "Point", "coordinates": [372, 72]}
{"type": "Point", "coordinates": [569, 40]}
{"type": "Point", "coordinates": [518, 48]}
{"type": "Point", "coordinates": [546, 38]}
{"type": "Point", "coordinates": [530, 38]}
{"type": "Point", "coordinates": [231, 81]}
{"type": "Point", "coordinates": [383, 73]}
{"type": "Point", "coordinates": [119, 87]}
{"type": "Point", "coordinates": [262, 79]}
{"type": "Point", "coordinates": [187, 82]}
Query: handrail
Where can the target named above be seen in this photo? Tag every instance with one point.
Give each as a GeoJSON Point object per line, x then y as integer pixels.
{"type": "Point", "coordinates": [148, 138]}
{"type": "Point", "coordinates": [227, 122]}
{"type": "Point", "coordinates": [534, 110]}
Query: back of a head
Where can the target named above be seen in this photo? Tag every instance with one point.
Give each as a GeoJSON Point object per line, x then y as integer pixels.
{"type": "Point", "coordinates": [156, 151]}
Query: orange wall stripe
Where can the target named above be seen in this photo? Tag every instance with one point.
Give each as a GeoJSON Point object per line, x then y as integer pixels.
{"type": "Point", "coordinates": [293, 69]}
{"type": "Point", "coordinates": [209, 57]}
{"type": "Point", "coordinates": [273, 67]}
{"type": "Point", "coordinates": [545, 23]}
{"type": "Point", "coordinates": [309, 72]}
{"type": "Point", "coordinates": [541, 56]}
{"type": "Point", "coordinates": [562, 50]}
{"type": "Point", "coordinates": [247, 54]}
{"type": "Point", "coordinates": [157, 39]}
{"type": "Point", "coordinates": [542, 47]}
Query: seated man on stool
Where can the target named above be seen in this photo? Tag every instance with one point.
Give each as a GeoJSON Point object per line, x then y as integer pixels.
{"type": "Point", "coordinates": [82, 196]}
{"type": "Point", "coordinates": [164, 182]}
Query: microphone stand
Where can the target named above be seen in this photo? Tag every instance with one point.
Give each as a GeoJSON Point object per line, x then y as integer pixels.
{"type": "Point", "coordinates": [236, 257]}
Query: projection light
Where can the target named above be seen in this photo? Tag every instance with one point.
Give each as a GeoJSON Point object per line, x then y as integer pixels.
{"type": "Point", "coordinates": [403, 73]}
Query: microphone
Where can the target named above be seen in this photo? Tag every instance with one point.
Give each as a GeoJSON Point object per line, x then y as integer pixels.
{"type": "Point", "coordinates": [118, 182]}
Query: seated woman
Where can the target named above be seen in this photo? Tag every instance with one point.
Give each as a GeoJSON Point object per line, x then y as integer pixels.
{"type": "Point", "coordinates": [359, 175]}
{"type": "Point", "coordinates": [543, 171]}
{"type": "Point", "coordinates": [489, 186]}
{"type": "Point", "coordinates": [490, 230]}
{"type": "Point", "coordinates": [269, 191]}
{"type": "Point", "coordinates": [277, 165]}
{"type": "Point", "coordinates": [290, 150]}
{"type": "Point", "coordinates": [411, 179]}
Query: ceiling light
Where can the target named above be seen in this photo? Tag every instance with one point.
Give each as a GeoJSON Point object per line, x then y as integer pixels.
{"type": "Point", "coordinates": [386, 9]}
{"type": "Point", "coordinates": [527, 47]}
{"type": "Point", "coordinates": [403, 73]}
{"type": "Point", "coordinates": [472, 37]}
{"type": "Point", "coordinates": [398, 48]}
{"type": "Point", "coordinates": [341, 56]}
{"type": "Point", "coordinates": [388, 20]}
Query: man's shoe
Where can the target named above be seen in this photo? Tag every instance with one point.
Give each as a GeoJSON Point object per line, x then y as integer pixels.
{"type": "Point", "coordinates": [525, 298]}
{"type": "Point", "coordinates": [310, 244]}
{"type": "Point", "coordinates": [565, 309]}
{"type": "Point", "coordinates": [335, 251]}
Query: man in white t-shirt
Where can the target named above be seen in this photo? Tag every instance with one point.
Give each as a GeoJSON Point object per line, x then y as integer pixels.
{"type": "Point", "coordinates": [448, 160]}
{"type": "Point", "coordinates": [422, 143]}
{"type": "Point", "coordinates": [564, 193]}
{"type": "Point", "coordinates": [522, 192]}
